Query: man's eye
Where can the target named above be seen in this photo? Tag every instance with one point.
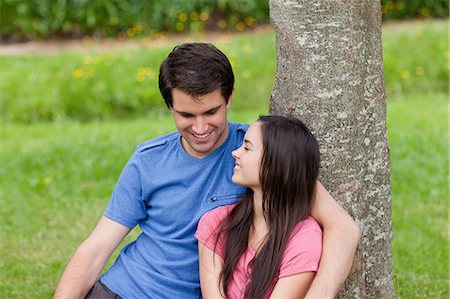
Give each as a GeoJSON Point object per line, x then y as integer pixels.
{"type": "Point", "coordinates": [246, 148]}
{"type": "Point", "coordinates": [211, 112]}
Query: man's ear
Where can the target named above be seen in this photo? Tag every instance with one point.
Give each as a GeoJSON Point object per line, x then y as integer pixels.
{"type": "Point", "coordinates": [230, 98]}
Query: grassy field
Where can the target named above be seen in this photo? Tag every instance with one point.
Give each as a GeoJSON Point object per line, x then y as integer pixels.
{"type": "Point", "coordinates": [418, 139]}
{"type": "Point", "coordinates": [56, 177]}
{"type": "Point", "coordinates": [100, 84]}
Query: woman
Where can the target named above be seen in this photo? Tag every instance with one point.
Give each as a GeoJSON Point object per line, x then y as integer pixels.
{"type": "Point", "coordinates": [266, 245]}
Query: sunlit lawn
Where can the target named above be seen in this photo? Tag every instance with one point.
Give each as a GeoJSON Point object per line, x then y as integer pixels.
{"type": "Point", "coordinates": [56, 178]}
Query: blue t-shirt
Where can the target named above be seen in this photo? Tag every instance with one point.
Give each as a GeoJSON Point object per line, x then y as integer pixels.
{"type": "Point", "coordinates": [166, 191]}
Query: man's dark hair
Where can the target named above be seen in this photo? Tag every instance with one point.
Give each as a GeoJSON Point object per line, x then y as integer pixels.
{"type": "Point", "coordinates": [196, 69]}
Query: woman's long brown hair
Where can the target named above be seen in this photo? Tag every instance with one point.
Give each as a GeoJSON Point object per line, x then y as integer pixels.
{"type": "Point", "coordinates": [289, 170]}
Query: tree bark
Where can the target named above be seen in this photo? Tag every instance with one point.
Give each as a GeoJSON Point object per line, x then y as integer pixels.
{"type": "Point", "coordinates": [330, 75]}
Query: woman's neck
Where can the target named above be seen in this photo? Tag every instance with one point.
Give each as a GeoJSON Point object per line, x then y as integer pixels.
{"type": "Point", "coordinates": [259, 228]}
{"type": "Point", "coordinates": [258, 213]}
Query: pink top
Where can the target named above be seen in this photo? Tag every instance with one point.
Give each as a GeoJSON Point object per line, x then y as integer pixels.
{"type": "Point", "coordinates": [302, 253]}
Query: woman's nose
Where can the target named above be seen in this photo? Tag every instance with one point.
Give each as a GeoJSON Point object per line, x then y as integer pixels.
{"type": "Point", "coordinates": [234, 153]}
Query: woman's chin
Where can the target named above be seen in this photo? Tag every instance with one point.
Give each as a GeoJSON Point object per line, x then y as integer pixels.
{"type": "Point", "coordinates": [235, 180]}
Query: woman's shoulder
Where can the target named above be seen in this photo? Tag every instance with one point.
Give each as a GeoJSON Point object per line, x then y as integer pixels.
{"type": "Point", "coordinates": [309, 224]}
{"type": "Point", "coordinates": [216, 215]}
{"type": "Point", "coordinates": [304, 249]}
{"type": "Point", "coordinates": [220, 211]}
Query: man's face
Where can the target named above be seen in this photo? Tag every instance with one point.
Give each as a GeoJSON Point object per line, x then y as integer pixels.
{"type": "Point", "coordinates": [202, 121]}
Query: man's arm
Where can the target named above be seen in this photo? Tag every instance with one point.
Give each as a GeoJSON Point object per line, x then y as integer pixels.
{"type": "Point", "coordinates": [340, 239]}
{"type": "Point", "coordinates": [90, 258]}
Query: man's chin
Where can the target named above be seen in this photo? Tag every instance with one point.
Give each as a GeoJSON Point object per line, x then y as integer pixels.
{"type": "Point", "coordinates": [200, 150]}
{"type": "Point", "coordinates": [203, 150]}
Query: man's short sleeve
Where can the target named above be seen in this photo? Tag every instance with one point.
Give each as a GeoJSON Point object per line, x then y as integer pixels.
{"type": "Point", "coordinates": [126, 205]}
{"type": "Point", "coordinates": [304, 249]}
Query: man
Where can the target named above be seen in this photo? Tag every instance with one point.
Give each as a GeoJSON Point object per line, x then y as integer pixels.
{"type": "Point", "coordinates": [171, 181]}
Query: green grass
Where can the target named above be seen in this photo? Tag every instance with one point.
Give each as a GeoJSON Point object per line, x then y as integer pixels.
{"type": "Point", "coordinates": [418, 138]}
{"type": "Point", "coordinates": [56, 178]}
{"type": "Point", "coordinates": [122, 83]}
{"type": "Point", "coordinates": [416, 57]}
{"type": "Point", "coordinates": [118, 84]}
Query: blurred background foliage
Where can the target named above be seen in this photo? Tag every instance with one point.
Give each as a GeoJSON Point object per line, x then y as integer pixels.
{"type": "Point", "coordinates": [42, 19]}
{"type": "Point", "coordinates": [404, 9]}
{"type": "Point", "coordinates": [122, 83]}
{"type": "Point", "coordinates": [27, 19]}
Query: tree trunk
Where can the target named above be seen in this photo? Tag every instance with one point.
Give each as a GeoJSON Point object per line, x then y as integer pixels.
{"type": "Point", "coordinates": [330, 75]}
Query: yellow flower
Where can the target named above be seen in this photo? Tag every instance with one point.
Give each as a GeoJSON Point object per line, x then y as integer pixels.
{"type": "Point", "coordinates": [247, 49]}
{"type": "Point", "coordinates": [130, 32]}
{"type": "Point", "coordinates": [233, 63]}
{"type": "Point", "coordinates": [161, 36]}
{"type": "Point", "coordinates": [137, 28]}
{"type": "Point", "coordinates": [399, 5]}
{"type": "Point", "coordinates": [139, 78]}
{"type": "Point", "coordinates": [151, 74]}
{"type": "Point", "coordinates": [425, 11]}
{"type": "Point", "coordinates": [222, 24]}
{"type": "Point", "coordinates": [182, 16]}
{"type": "Point", "coordinates": [389, 5]}
{"type": "Point", "coordinates": [249, 21]}
{"type": "Point", "coordinates": [193, 16]}
{"type": "Point", "coordinates": [447, 55]}
{"type": "Point", "coordinates": [246, 73]}
{"type": "Point", "coordinates": [204, 16]}
{"type": "Point", "coordinates": [78, 73]}
{"type": "Point", "coordinates": [145, 72]}
{"type": "Point", "coordinates": [87, 60]}
{"type": "Point", "coordinates": [90, 73]}
{"type": "Point", "coordinates": [179, 26]}
{"type": "Point", "coordinates": [240, 26]}
{"type": "Point", "coordinates": [142, 71]}
{"type": "Point", "coordinates": [419, 71]}
{"type": "Point", "coordinates": [113, 21]}
{"type": "Point", "coordinates": [404, 74]}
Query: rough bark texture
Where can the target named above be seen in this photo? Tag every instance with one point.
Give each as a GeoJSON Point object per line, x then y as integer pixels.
{"type": "Point", "coordinates": [330, 75]}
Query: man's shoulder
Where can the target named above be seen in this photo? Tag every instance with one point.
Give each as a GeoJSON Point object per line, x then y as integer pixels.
{"type": "Point", "coordinates": [157, 142]}
{"type": "Point", "coordinates": [239, 128]}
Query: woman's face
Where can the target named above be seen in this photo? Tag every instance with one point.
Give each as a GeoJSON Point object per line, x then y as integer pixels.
{"type": "Point", "coordinates": [248, 158]}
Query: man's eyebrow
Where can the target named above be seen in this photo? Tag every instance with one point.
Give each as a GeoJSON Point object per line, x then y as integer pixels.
{"type": "Point", "coordinates": [182, 112]}
{"type": "Point", "coordinates": [214, 109]}
{"type": "Point", "coordinates": [209, 111]}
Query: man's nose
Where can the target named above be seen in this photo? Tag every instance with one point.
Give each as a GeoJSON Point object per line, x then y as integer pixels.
{"type": "Point", "coordinates": [200, 125]}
